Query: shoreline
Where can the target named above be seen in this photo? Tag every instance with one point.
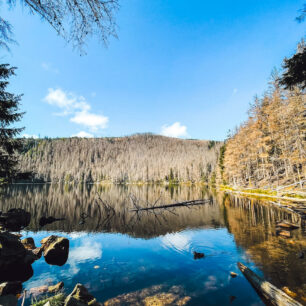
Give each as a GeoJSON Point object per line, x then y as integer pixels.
{"type": "Point", "coordinates": [263, 193]}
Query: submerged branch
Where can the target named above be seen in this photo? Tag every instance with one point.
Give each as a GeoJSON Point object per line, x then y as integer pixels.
{"type": "Point", "coordinates": [180, 204]}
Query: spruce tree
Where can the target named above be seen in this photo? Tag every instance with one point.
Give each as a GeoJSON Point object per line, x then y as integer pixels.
{"type": "Point", "coordinates": [9, 106]}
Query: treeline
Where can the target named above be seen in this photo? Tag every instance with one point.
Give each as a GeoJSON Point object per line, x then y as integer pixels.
{"type": "Point", "coordinates": [137, 158]}
{"type": "Point", "coordinates": [269, 148]}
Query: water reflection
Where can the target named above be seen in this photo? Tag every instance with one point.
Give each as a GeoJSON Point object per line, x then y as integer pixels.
{"type": "Point", "coordinates": [107, 255]}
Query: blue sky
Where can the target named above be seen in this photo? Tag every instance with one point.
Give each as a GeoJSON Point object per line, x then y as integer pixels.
{"type": "Point", "coordinates": [179, 68]}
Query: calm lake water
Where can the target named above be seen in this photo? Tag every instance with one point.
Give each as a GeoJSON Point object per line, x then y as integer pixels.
{"type": "Point", "coordinates": [125, 258]}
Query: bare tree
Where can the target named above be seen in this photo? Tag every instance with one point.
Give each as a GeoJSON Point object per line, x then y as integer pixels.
{"type": "Point", "coordinates": [74, 20]}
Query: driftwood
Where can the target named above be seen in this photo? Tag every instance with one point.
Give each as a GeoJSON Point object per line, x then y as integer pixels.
{"type": "Point", "coordinates": [166, 206]}
{"type": "Point", "coordinates": [269, 292]}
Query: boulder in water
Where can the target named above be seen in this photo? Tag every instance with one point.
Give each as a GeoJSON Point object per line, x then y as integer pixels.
{"type": "Point", "coordinates": [56, 287]}
{"type": "Point", "coordinates": [48, 220]}
{"type": "Point", "coordinates": [198, 255]}
{"type": "Point", "coordinates": [56, 250]}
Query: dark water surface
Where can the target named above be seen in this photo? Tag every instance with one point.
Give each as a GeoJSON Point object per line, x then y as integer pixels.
{"type": "Point", "coordinates": [125, 258]}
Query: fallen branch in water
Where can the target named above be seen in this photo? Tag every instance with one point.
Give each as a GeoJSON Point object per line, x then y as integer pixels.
{"type": "Point", "coordinates": [180, 204]}
{"type": "Point", "coordinates": [272, 294]}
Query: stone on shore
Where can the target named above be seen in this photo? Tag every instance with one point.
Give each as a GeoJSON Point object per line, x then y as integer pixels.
{"type": "Point", "coordinates": [10, 288]}
{"type": "Point", "coordinates": [28, 243]}
{"type": "Point", "coordinates": [15, 260]}
{"type": "Point", "coordinates": [8, 300]}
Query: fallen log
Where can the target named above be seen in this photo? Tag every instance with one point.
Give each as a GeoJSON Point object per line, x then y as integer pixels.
{"type": "Point", "coordinates": [269, 292]}
{"type": "Point", "coordinates": [180, 204]}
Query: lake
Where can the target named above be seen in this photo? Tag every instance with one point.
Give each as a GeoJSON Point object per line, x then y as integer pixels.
{"type": "Point", "coordinates": [129, 258]}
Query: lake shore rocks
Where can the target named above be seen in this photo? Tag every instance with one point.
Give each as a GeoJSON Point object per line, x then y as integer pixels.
{"type": "Point", "coordinates": [55, 249]}
{"type": "Point", "coordinates": [80, 297]}
{"type": "Point", "coordinates": [55, 288]}
{"type": "Point", "coordinates": [28, 243]}
{"type": "Point", "coordinates": [8, 300]}
{"type": "Point", "coordinates": [15, 259]}
{"type": "Point", "coordinates": [10, 288]}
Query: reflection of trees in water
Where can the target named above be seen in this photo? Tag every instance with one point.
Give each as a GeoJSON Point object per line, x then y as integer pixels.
{"type": "Point", "coordinates": [253, 224]}
{"type": "Point", "coordinates": [73, 202]}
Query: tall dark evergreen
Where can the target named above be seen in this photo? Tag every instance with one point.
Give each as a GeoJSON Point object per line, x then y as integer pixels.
{"type": "Point", "coordinates": [295, 69]}
{"type": "Point", "coordinates": [9, 114]}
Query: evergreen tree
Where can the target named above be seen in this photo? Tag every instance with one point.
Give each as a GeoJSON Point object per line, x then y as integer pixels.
{"type": "Point", "coordinates": [9, 104]}
{"type": "Point", "coordinates": [295, 69]}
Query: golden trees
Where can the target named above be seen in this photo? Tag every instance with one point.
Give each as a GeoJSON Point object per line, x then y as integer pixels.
{"type": "Point", "coordinates": [269, 148]}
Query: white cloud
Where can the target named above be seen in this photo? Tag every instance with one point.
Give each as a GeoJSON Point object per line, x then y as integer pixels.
{"type": "Point", "coordinates": [29, 136]}
{"type": "Point", "coordinates": [211, 283]}
{"type": "Point", "coordinates": [49, 67]}
{"type": "Point", "coordinates": [83, 134]}
{"type": "Point", "coordinates": [88, 250]}
{"type": "Point", "coordinates": [78, 107]}
{"type": "Point", "coordinates": [177, 241]}
{"type": "Point", "coordinates": [92, 121]}
{"type": "Point", "coordinates": [67, 101]}
{"type": "Point", "coordinates": [77, 235]}
{"type": "Point", "coordinates": [174, 130]}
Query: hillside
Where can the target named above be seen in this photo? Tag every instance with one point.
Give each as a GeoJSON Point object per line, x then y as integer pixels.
{"type": "Point", "coordinates": [142, 157]}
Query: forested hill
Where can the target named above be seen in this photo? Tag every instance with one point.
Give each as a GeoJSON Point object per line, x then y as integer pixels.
{"type": "Point", "coordinates": [142, 157]}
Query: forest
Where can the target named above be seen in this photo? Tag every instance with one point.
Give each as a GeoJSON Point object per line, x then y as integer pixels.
{"type": "Point", "coordinates": [268, 149]}
{"type": "Point", "coordinates": [136, 158]}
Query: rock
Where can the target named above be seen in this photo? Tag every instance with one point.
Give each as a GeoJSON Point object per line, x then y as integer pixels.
{"type": "Point", "coordinates": [8, 300]}
{"type": "Point", "coordinates": [56, 250]}
{"type": "Point", "coordinates": [15, 219]}
{"type": "Point", "coordinates": [15, 260]}
{"type": "Point", "coordinates": [80, 297]}
{"type": "Point", "coordinates": [197, 255]}
{"type": "Point", "coordinates": [38, 252]}
{"type": "Point", "coordinates": [233, 274]}
{"type": "Point", "coordinates": [10, 288]}
{"type": "Point", "coordinates": [48, 220]}
{"type": "Point", "coordinates": [28, 243]}
{"type": "Point", "coordinates": [56, 287]}
{"type": "Point", "coordinates": [301, 255]}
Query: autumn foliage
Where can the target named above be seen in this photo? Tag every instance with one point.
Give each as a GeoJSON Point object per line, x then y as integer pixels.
{"type": "Point", "coordinates": [269, 148]}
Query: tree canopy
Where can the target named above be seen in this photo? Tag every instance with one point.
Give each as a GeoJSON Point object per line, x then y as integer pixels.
{"type": "Point", "coordinates": [74, 20]}
{"type": "Point", "coordinates": [295, 69]}
{"type": "Point", "coordinates": [9, 105]}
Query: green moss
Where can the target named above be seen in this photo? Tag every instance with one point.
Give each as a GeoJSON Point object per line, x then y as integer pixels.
{"type": "Point", "coordinates": [56, 300]}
